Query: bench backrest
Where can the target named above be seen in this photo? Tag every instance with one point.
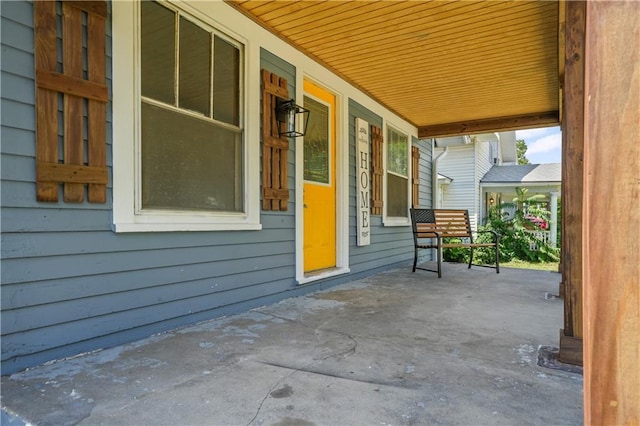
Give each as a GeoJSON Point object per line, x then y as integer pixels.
{"type": "Point", "coordinates": [447, 223]}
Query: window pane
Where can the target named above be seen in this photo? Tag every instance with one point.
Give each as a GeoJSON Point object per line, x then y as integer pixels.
{"type": "Point", "coordinates": [158, 52]}
{"type": "Point", "coordinates": [226, 82]}
{"type": "Point", "coordinates": [397, 153]}
{"type": "Point", "coordinates": [397, 196]}
{"type": "Point", "coordinates": [195, 68]}
{"type": "Point", "coordinates": [316, 142]}
{"type": "Point", "coordinates": [189, 163]}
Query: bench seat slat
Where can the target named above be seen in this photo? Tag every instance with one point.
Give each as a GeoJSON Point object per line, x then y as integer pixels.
{"type": "Point", "coordinates": [455, 245]}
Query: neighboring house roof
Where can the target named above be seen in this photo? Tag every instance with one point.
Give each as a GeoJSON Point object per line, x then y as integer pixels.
{"type": "Point", "coordinates": [526, 173]}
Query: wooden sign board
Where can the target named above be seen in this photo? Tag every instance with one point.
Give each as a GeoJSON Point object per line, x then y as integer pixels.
{"type": "Point", "coordinates": [363, 178]}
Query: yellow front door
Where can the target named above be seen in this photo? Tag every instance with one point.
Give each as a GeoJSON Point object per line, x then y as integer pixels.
{"type": "Point", "coordinates": [319, 149]}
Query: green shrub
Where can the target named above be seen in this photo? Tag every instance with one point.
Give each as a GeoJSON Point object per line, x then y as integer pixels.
{"type": "Point", "coordinates": [455, 254]}
{"type": "Point", "coordinates": [515, 241]}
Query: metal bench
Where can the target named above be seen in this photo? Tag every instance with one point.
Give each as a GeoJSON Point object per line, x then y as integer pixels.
{"type": "Point", "coordinates": [432, 228]}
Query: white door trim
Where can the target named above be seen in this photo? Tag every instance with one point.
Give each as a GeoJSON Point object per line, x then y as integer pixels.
{"type": "Point", "coordinates": [342, 189]}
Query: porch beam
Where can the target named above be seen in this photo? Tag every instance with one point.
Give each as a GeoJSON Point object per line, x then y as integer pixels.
{"type": "Point", "coordinates": [572, 171]}
{"type": "Point", "coordinates": [514, 122]}
{"type": "Point", "coordinates": [611, 247]}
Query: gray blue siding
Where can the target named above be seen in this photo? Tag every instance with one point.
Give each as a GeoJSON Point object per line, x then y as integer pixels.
{"type": "Point", "coordinates": [388, 244]}
{"type": "Point", "coordinates": [426, 162]}
{"type": "Point", "coordinates": [70, 285]}
{"type": "Point", "coordinates": [425, 188]}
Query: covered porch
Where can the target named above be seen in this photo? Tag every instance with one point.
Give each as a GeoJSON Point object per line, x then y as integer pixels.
{"type": "Point", "coordinates": [394, 348]}
{"type": "Point", "coordinates": [568, 63]}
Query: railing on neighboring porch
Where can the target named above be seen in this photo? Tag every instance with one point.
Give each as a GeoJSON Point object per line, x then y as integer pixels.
{"type": "Point", "coordinates": [539, 236]}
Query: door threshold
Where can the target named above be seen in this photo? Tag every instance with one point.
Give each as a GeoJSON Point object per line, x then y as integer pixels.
{"type": "Point", "coordinates": [321, 274]}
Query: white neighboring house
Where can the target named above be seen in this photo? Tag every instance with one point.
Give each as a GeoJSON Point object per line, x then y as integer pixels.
{"type": "Point", "coordinates": [461, 162]}
{"type": "Point", "coordinates": [500, 183]}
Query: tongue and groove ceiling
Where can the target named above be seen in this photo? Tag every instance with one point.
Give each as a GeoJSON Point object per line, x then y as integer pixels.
{"type": "Point", "coordinates": [448, 67]}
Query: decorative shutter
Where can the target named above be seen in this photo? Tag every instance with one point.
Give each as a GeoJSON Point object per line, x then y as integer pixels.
{"type": "Point", "coordinates": [377, 170]}
{"type": "Point", "coordinates": [275, 191]}
{"type": "Point", "coordinates": [77, 167]}
{"type": "Point", "coordinates": [415, 176]}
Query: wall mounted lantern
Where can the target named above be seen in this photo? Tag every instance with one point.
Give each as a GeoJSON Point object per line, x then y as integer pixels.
{"type": "Point", "coordinates": [292, 119]}
{"type": "Point", "coordinates": [491, 201]}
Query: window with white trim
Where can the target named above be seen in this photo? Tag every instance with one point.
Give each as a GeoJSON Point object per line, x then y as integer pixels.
{"type": "Point", "coordinates": [191, 139]}
{"type": "Point", "coordinates": [397, 176]}
{"type": "Point", "coordinates": [190, 159]}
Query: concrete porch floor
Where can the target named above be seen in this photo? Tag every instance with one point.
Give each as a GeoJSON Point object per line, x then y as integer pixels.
{"type": "Point", "coordinates": [396, 348]}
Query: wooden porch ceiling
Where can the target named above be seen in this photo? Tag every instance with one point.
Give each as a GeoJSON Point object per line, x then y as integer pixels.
{"type": "Point", "coordinates": [448, 67]}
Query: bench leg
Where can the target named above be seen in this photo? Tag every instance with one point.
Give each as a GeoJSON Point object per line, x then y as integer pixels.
{"type": "Point", "coordinates": [415, 258]}
{"type": "Point", "coordinates": [439, 255]}
{"type": "Point", "coordinates": [471, 258]}
{"type": "Point", "coordinates": [497, 259]}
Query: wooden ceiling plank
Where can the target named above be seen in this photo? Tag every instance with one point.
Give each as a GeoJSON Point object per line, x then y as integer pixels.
{"type": "Point", "coordinates": [426, 91]}
{"type": "Point", "coordinates": [331, 30]}
{"type": "Point", "coordinates": [503, 95]}
{"type": "Point", "coordinates": [437, 30]}
{"type": "Point", "coordinates": [454, 54]}
{"type": "Point", "coordinates": [425, 114]}
{"type": "Point", "coordinates": [474, 101]}
{"type": "Point", "coordinates": [528, 34]}
{"type": "Point", "coordinates": [295, 14]}
{"type": "Point", "coordinates": [371, 24]}
{"type": "Point", "coordinates": [298, 26]}
{"type": "Point", "coordinates": [513, 80]}
{"type": "Point", "coordinates": [426, 109]}
{"type": "Point", "coordinates": [353, 11]}
{"type": "Point", "coordinates": [255, 7]}
{"type": "Point", "coordinates": [517, 53]}
{"type": "Point", "coordinates": [467, 39]}
{"type": "Point", "coordinates": [448, 78]}
{"type": "Point", "coordinates": [320, 25]}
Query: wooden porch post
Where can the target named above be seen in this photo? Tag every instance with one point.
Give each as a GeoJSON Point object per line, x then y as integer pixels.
{"type": "Point", "coordinates": [572, 170]}
{"type": "Point", "coordinates": [611, 238]}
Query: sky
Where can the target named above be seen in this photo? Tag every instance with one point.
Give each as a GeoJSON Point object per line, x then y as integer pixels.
{"type": "Point", "coordinates": [543, 145]}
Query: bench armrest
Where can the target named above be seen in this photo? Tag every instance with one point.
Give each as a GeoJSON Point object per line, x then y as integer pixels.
{"type": "Point", "coordinates": [496, 236]}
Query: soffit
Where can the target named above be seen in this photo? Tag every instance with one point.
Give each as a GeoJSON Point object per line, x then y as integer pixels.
{"type": "Point", "coordinates": [434, 63]}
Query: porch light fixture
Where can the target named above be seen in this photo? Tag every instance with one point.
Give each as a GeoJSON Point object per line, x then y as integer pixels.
{"type": "Point", "coordinates": [292, 119]}
{"type": "Point", "coordinates": [491, 201]}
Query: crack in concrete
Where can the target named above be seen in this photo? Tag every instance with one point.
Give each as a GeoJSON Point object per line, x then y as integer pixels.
{"type": "Point", "coordinates": [337, 376]}
{"type": "Point", "coordinates": [304, 368]}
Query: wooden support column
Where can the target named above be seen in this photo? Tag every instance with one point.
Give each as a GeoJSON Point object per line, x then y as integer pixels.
{"type": "Point", "coordinates": [572, 174]}
{"type": "Point", "coordinates": [611, 238]}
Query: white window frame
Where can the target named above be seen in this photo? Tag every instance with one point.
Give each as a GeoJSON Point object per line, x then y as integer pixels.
{"type": "Point", "coordinates": [127, 135]}
{"type": "Point", "coordinates": [395, 220]}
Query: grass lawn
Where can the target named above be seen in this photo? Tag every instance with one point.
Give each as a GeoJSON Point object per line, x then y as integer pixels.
{"type": "Point", "coordinates": [521, 264]}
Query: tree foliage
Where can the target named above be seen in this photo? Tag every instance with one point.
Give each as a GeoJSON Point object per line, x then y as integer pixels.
{"type": "Point", "coordinates": [521, 150]}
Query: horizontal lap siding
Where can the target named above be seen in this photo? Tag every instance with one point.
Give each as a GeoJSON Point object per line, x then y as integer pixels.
{"type": "Point", "coordinates": [459, 165]}
{"type": "Point", "coordinates": [484, 162]}
{"type": "Point", "coordinates": [69, 284]}
{"type": "Point", "coordinates": [425, 189]}
{"type": "Point", "coordinates": [389, 245]}
{"type": "Point", "coordinates": [426, 161]}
